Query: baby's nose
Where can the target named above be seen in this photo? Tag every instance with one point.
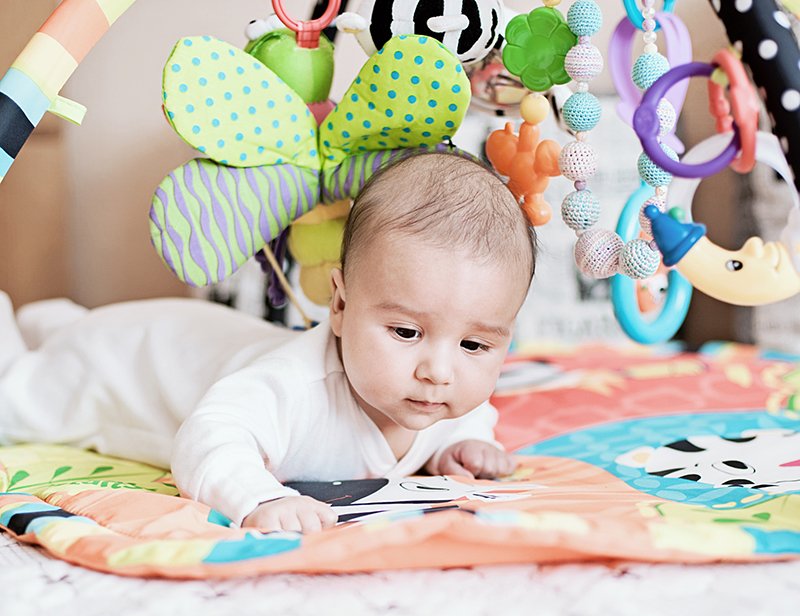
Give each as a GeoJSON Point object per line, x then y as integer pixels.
{"type": "Point", "coordinates": [436, 366]}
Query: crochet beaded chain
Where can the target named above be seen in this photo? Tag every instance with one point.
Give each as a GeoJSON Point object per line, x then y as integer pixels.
{"type": "Point", "coordinates": [601, 253]}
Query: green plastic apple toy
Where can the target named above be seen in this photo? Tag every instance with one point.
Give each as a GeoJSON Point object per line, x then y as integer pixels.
{"type": "Point", "coordinates": [307, 70]}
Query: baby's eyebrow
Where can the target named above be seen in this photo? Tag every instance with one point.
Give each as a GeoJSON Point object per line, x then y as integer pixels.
{"type": "Point", "coordinates": [395, 307]}
{"type": "Point", "coordinates": [497, 330]}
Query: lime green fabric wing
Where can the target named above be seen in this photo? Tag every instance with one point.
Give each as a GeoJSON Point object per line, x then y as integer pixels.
{"type": "Point", "coordinates": [413, 93]}
{"type": "Point", "coordinates": [234, 109]}
{"type": "Point", "coordinates": [206, 219]}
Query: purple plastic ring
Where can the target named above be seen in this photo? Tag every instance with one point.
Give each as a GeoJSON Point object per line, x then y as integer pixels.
{"type": "Point", "coordinates": [647, 125]}
{"type": "Point", "coordinates": [620, 48]}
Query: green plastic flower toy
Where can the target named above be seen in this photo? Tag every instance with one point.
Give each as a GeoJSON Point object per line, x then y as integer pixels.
{"type": "Point", "coordinates": [537, 44]}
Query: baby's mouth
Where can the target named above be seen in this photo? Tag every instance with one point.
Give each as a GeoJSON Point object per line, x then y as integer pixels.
{"type": "Point", "coordinates": [425, 404]}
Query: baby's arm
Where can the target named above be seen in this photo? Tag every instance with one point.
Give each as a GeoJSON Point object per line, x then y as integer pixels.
{"type": "Point", "coordinates": [225, 451]}
{"type": "Point", "coordinates": [471, 450]}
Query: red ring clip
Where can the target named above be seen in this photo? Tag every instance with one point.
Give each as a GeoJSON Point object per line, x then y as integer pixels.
{"type": "Point", "coordinates": [744, 103]}
{"type": "Point", "coordinates": [307, 31]}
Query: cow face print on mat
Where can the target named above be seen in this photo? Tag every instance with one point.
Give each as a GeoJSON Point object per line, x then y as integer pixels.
{"type": "Point", "coordinates": [758, 459]}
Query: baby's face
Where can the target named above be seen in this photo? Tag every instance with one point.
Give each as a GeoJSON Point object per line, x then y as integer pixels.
{"type": "Point", "coordinates": [424, 331]}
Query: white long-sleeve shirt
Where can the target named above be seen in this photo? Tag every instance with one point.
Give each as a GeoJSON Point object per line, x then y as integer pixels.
{"type": "Point", "coordinates": [291, 416]}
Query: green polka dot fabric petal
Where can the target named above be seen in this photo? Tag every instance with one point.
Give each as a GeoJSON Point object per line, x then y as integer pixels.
{"type": "Point", "coordinates": [234, 109]}
{"type": "Point", "coordinates": [412, 93]}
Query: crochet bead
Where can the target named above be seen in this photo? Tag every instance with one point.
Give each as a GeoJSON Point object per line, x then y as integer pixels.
{"type": "Point", "coordinates": [647, 68]}
{"type": "Point", "coordinates": [580, 210]}
{"type": "Point", "coordinates": [581, 112]}
{"type": "Point", "coordinates": [597, 253]}
{"type": "Point", "coordinates": [577, 161]}
{"type": "Point", "coordinates": [666, 116]}
{"type": "Point", "coordinates": [584, 18]}
{"type": "Point", "coordinates": [638, 260]}
{"type": "Point", "coordinates": [651, 173]}
{"type": "Point", "coordinates": [644, 222]}
{"type": "Point", "coordinates": [583, 62]}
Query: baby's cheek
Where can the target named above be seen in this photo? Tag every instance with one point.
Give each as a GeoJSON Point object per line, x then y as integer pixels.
{"type": "Point", "coordinates": [373, 384]}
{"type": "Point", "coordinates": [481, 389]}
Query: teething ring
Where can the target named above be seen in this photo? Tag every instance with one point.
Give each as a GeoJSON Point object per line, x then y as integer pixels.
{"type": "Point", "coordinates": [623, 289]}
{"type": "Point", "coordinates": [743, 123]}
{"type": "Point", "coordinates": [679, 51]}
{"type": "Point", "coordinates": [744, 104]}
{"type": "Point", "coordinates": [647, 125]}
{"type": "Point", "coordinates": [307, 31]}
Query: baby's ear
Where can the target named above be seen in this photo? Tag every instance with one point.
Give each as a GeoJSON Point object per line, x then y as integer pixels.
{"type": "Point", "coordinates": [337, 301]}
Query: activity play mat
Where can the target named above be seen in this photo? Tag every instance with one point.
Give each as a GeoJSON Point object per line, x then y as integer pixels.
{"type": "Point", "coordinates": [623, 455]}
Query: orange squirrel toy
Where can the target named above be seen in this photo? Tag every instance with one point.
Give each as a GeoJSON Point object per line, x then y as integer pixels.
{"type": "Point", "coordinates": [528, 163]}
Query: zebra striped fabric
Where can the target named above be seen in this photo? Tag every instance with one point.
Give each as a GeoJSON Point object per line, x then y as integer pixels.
{"type": "Point", "coordinates": [207, 219]}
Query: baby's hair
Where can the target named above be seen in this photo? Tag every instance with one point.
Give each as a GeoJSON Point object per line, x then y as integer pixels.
{"type": "Point", "coordinates": [447, 200]}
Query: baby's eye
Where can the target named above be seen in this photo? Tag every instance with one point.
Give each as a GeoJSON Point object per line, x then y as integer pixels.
{"type": "Point", "coordinates": [405, 333]}
{"type": "Point", "coordinates": [472, 346]}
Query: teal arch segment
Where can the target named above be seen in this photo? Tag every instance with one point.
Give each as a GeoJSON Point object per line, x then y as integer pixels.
{"type": "Point", "coordinates": [24, 92]}
{"type": "Point", "coordinates": [252, 546]}
{"type": "Point", "coordinates": [601, 445]}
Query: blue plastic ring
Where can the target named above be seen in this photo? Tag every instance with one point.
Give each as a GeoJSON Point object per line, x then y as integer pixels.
{"type": "Point", "coordinates": [623, 289]}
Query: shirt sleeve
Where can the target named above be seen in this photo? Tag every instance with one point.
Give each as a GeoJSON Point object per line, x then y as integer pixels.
{"type": "Point", "coordinates": [477, 425]}
{"type": "Point", "coordinates": [244, 426]}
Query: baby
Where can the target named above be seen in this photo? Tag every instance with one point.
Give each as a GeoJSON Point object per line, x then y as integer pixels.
{"type": "Point", "coordinates": [437, 258]}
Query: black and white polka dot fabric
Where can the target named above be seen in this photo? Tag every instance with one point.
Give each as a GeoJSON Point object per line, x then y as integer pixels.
{"type": "Point", "coordinates": [761, 32]}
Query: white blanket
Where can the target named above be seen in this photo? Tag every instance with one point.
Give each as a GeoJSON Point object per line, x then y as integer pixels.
{"type": "Point", "coordinates": [33, 583]}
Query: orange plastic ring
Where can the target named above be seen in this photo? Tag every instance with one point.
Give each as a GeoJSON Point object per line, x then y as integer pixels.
{"type": "Point", "coordinates": [743, 102]}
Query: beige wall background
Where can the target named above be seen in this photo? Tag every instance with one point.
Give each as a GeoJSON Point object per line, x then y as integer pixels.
{"type": "Point", "coordinates": [74, 207]}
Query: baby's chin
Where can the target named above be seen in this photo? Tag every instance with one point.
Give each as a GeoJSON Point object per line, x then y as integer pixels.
{"type": "Point", "coordinates": [416, 424]}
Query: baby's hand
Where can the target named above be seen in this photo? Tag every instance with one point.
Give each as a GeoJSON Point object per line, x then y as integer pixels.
{"type": "Point", "coordinates": [294, 513]}
{"type": "Point", "coordinates": [475, 459]}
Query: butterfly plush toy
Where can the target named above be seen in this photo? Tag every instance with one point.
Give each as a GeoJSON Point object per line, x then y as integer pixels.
{"type": "Point", "coordinates": [272, 150]}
